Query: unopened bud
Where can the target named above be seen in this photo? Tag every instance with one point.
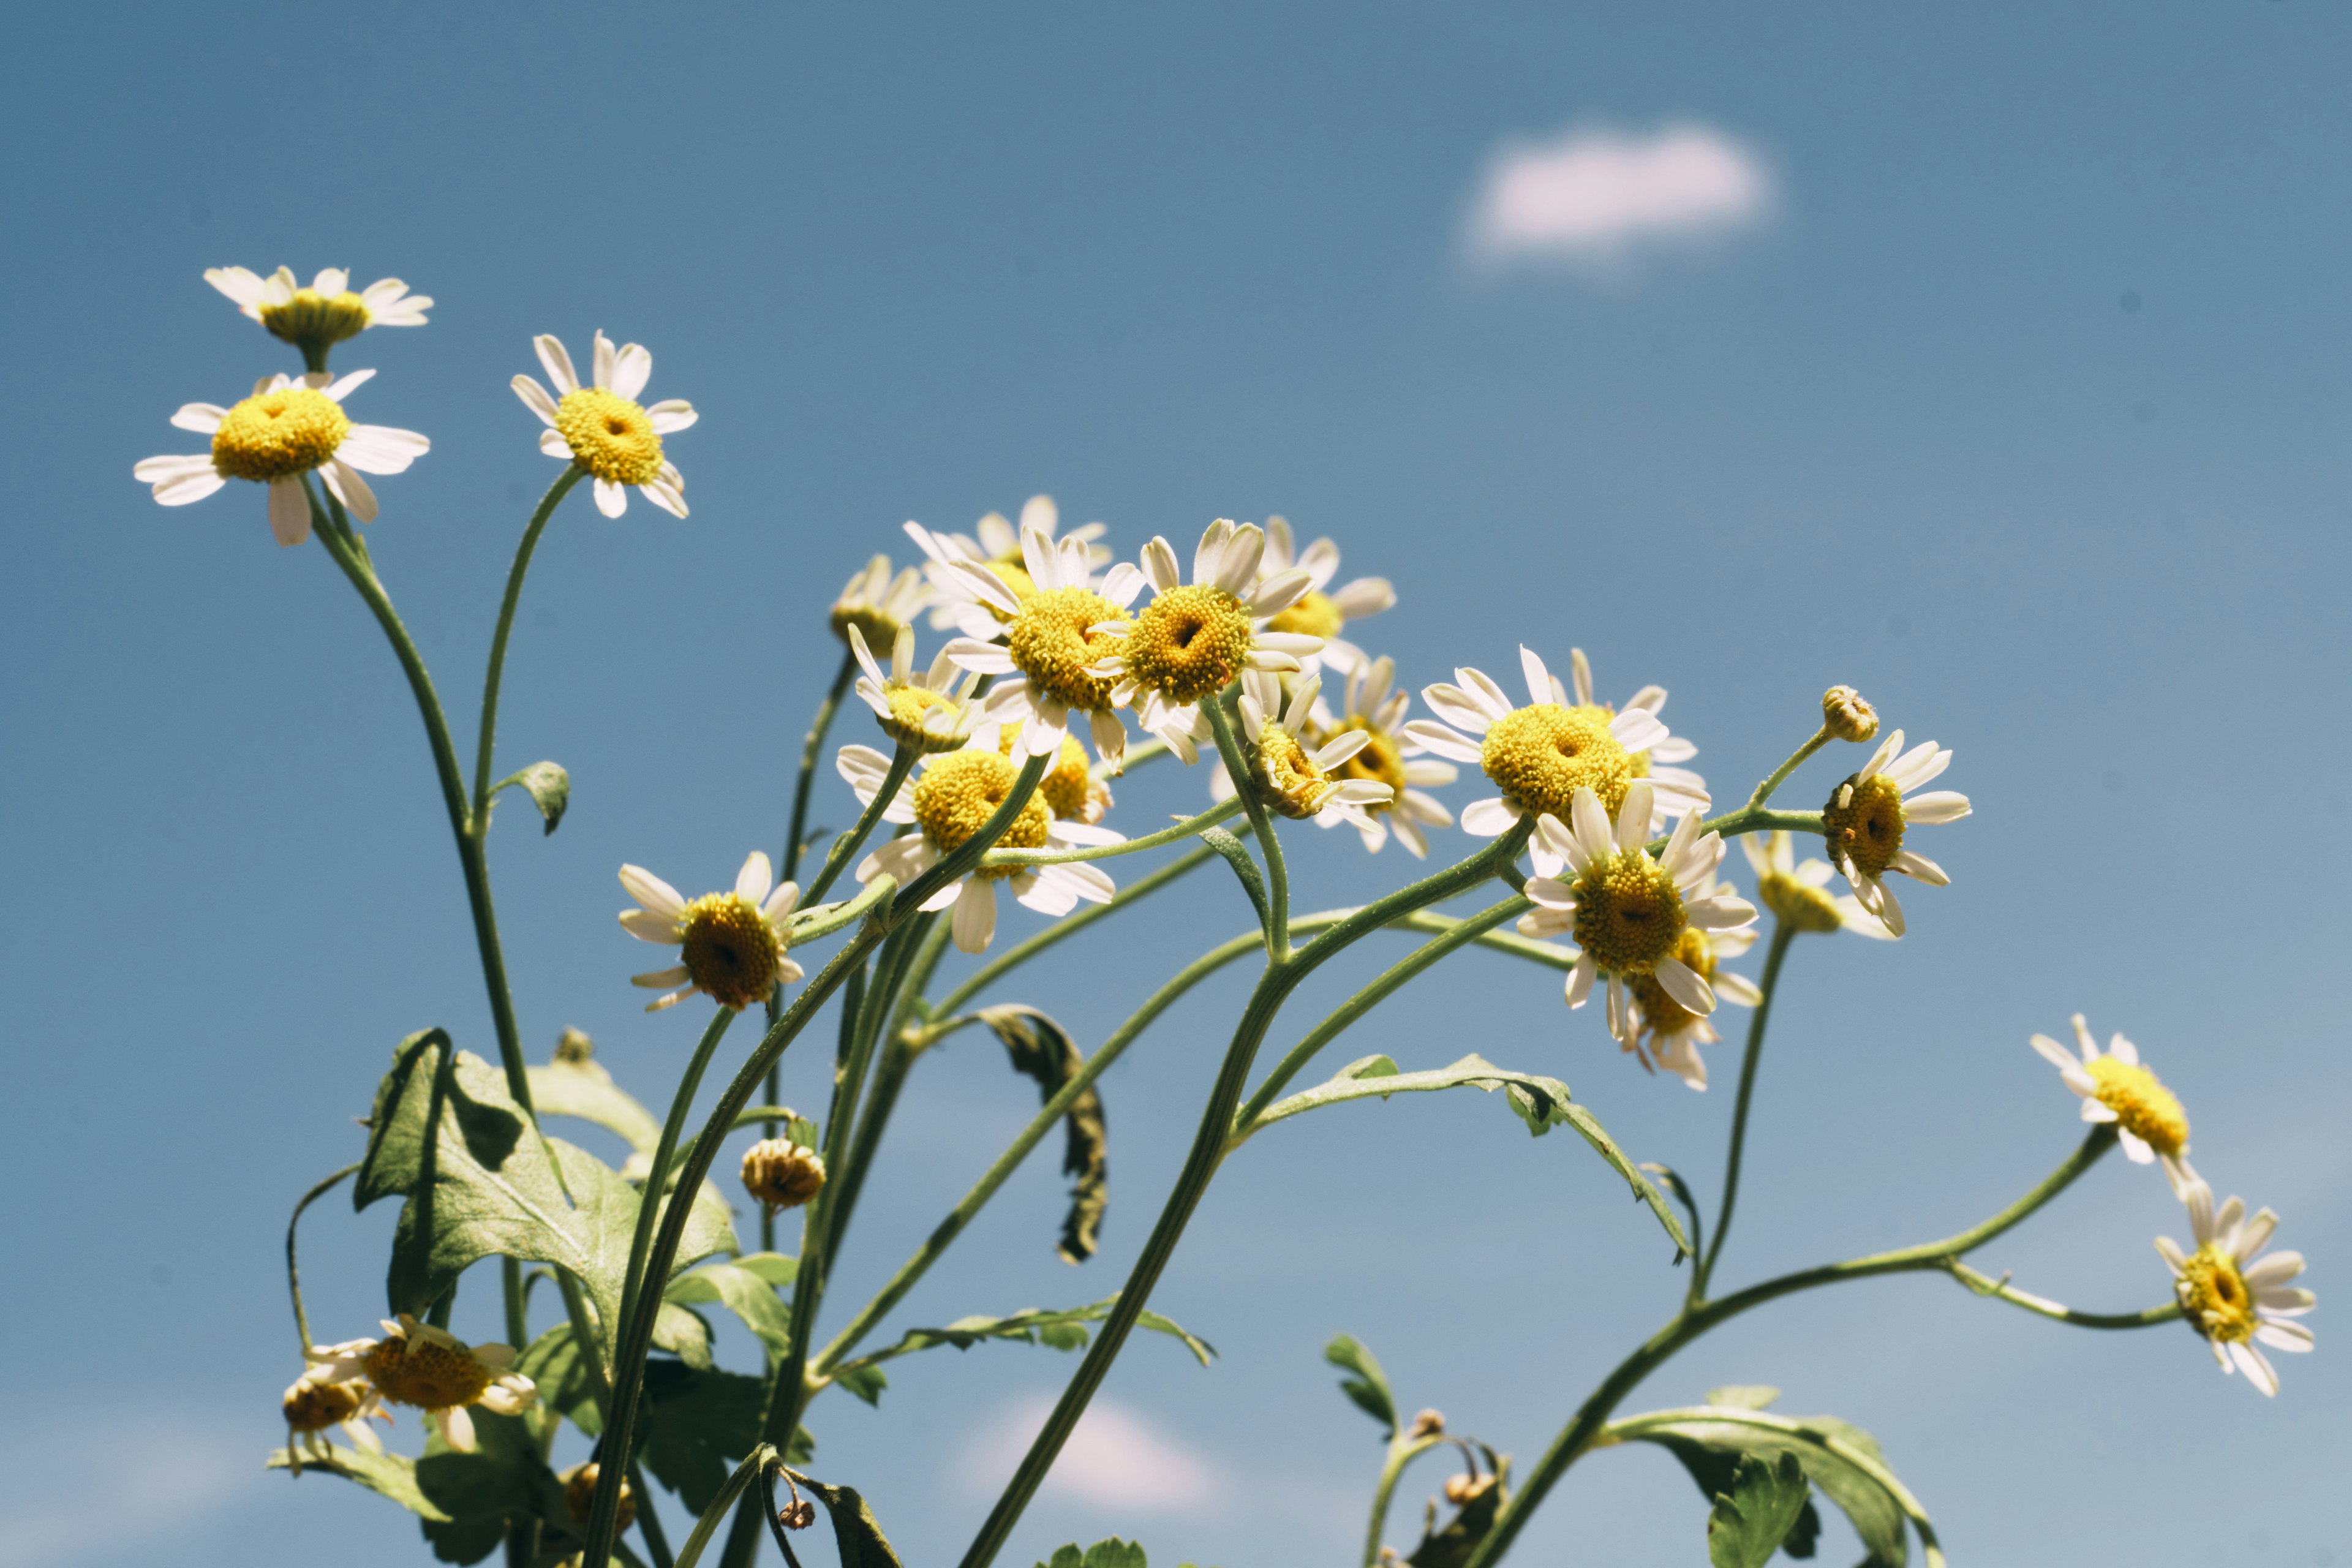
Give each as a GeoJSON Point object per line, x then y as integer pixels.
{"type": "Point", "coordinates": [782, 1175]}
{"type": "Point", "coordinates": [573, 1046]}
{"type": "Point", "coordinates": [797, 1514]}
{"type": "Point", "coordinates": [1428, 1424]}
{"type": "Point", "coordinates": [580, 1496]}
{"type": "Point", "coordinates": [1845, 715]}
{"type": "Point", "coordinates": [313, 1405]}
{"type": "Point", "coordinates": [1460, 1490]}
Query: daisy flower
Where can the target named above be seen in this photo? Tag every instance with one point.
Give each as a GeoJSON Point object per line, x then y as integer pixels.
{"type": "Point", "coordinates": [952, 798]}
{"type": "Point", "coordinates": [878, 603]}
{"type": "Point", "coordinates": [1071, 790]}
{"type": "Point", "coordinates": [2114, 1087]}
{"type": "Point", "coordinates": [933, 711]}
{"type": "Point", "coordinates": [1666, 1033]}
{"type": "Point", "coordinates": [1540, 755]}
{"type": "Point", "coordinates": [1627, 910]}
{"type": "Point", "coordinates": [601, 427]}
{"type": "Point", "coordinates": [1376, 710]}
{"type": "Point", "coordinates": [2237, 1300]}
{"type": "Point", "coordinates": [1678, 790]}
{"type": "Point", "coordinates": [290, 427]}
{"type": "Point", "coordinates": [418, 1364]}
{"type": "Point", "coordinates": [1794, 890]}
{"type": "Point", "coordinates": [312, 1403]}
{"type": "Point", "coordinates": [325, 313]}
{"type": "Point", "coordinates": [1293, 780]}
{"type": "Point", "coordinates": [1193, 641]}
{"type": "Point", "coordinates": [1053, 635]}
{"type": "Point", "coordinates": [1314, 612]}
{"type": "Point", "coordinates": [733, 943]}
{"type": "Point", "coordinates": [998, 548]}
{"type": "Point", "coordinates": [1865, 817]}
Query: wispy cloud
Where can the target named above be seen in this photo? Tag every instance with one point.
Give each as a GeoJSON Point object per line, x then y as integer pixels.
{"type": "Point", "coordinates": [75, 1489]}
{"type": "Point", "coordinates": [1599, 201]}
{"type": "Point", "coordinates": [1115, 1460]}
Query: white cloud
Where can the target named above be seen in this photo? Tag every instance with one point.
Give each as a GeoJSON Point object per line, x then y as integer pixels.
{"type": "Point", "coordinates": [76, 1487]}
{"type": "Point", "coordinates": [1599, 200]}
{"type": "Point", "coordinates": [1115, 1460]}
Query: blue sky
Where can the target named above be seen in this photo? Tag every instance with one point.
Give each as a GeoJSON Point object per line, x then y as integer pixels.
{"type": "Point", "coordinates": [2021, 403]}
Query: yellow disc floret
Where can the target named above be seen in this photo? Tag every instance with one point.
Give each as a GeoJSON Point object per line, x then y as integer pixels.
{"type": "Point", "coordinates": [958, 793]}
{"type": "Point", "coordinates": [1661, 1014]}
{"type": "Point", "coordinates": [1292, 784]}
{"type": "Point", "coordinates": [1049, 643]}
{"type": "Point", "coordinates": [1541, 756]}
{"type": "Point", "coordinates": [277, 435]}
{"type": "Point", "coordinates": [2214, 1298]}
{"type": "Point", "coordinates": [1380, 760]}
{"type": "Point", "coordinates": [426, 1372]}
{"type": "Point", "coordinates": [312, 319]}
{"type": "Point", "coordinates": [1071, 790]}
{"type": "Point", "coordinates": [2143, 1106]}
{"type": "Point", "coordinates": [609, 436]}
{"type": "Point", "coordinates": [1629, 914]}
{"type": "Point", "coordinates": [1189, 643]}
{"type": "Point", "coordinates": [1313, 614]}
{"type": "Point", "coordinates": [909, 704]}
{"type": "Point", "coordinates": [312, 1406]}
{"type": "Point", "coordinates": [730, 951]}
{"type": "Point", "coordinates": [1799, 904]}
{"type": "Point", "coordinates": [1863, 822]}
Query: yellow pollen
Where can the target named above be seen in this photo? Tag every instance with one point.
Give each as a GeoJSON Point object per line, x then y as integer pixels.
{"type": "Point", "coordinates": [1799, 905]}
{"type": "Point", "coordinates": [609, 436]}
{"type": "Point", "coordinates": [958, 793]}
{"type": "Point", "coordinates": [314, 319]}
{"type": "Point", "coordinates": [1863, 822]}
{"type": "Point", "coordinates": [1629, 914]}
{"type": "Point", "coordinates": [732, 953]}
{"type": "Point", "coordinates": [2143, 1107]}
{"type": "Point", "coordinates": [1189, 643]}
{"type": "Point", "coordinates": [1661, 1014]}
{"type": "Point", "coordinates": [315, 1406]}
{"type": "Point", "coordinates": [909, 704]}
{"type": "Point", "coordinates": [1380, 760]}
{"type": "Point", "coordinates": [1048, 643]}
{"type": "Point", "coordinates": [427, 1373]}
{"type": "Point", "coordinates": [1312, 614]}
{"type": "Point", "coordinates": [1070, 790]}
{"type": "Point", "coordinates": [1014, 574]}
{"type": "Point", "coordinates": [277, 435]}
{"type": "Point", "coordinates": [1294, 785]}
{"type": "Point", "coordinates": [2214, 1297]}
{"type": "Point", "coordinates": [1541, 756]}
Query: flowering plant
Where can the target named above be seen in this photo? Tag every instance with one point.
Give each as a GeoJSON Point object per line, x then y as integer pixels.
{"type": "Point", "coordinates": [1599, 857]}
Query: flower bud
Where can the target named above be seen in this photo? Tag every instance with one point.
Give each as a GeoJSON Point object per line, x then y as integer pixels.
{"type": "Point", "coordinates": [580, 1496]}
{"type": "Point", "coordinates": [573, 1046]}
{"type": "Point", "coordinates": [1428, 1424]}
{"type": "Point", "coordinates": [1845, 715]}
{"type": "Point", "coordinates": [782, 1175]}
{"type": "Point", "coordinates": [313, 1405]}
{"type": "Point", "coordinates": [797, 1514]}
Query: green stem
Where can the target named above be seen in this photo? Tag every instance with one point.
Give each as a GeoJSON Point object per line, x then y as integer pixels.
{"type": "Point", "coordinates": [1780, 775]}
{"type": "Point", "coordinates": [2000, 1289]}
{"type": "Point", "coordinates": [1403, 1449]}
{"type": "Point", "coordinates": [1784, 933]}
{"type": "Point", "coordinates": [760, 1456]}
{"type": "Point", "coordinates": [897, 1061]}
{"type": "Point", "coordinates": [650, 1523]}
{"type": "Point", "coordinates": [901, 764]}
{"type": "Point", "coordinates": [517, 1303]}
{"type": "Point", "coordinates": [1183, 830]}
{"type": "Point", "coordinates": [1068, 926]}
{"type": "Point", "coordinates": [494, 673]}
{"type": "Point", "coordinates": [634, 1286]}
{"type": "Point", "coordinates": [1278, 930]}
{"type": "Point", "coordinates": [294, 1275]}
{"type": "Point", "coordinates": [585, 1336]}
{"type": "Point", "coordinates": [811, 745]}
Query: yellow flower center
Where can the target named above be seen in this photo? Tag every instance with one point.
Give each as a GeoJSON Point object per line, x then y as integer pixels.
{"type": "Point", "coordinates": [782, 1175]}
{"type": "Point", "coordinates": [731, 951]}
{"type": "Point", "coordinates": [1069, 789]}
{"type": "Point", "coordinates": [1189, 643]}
{"type": "Point", "coordinates": [2143, 1107]}
{"type": "Point", "coordinates": [315, 1406]}
{"type": "Point", "coordinates": [314, 319]}
{"type": "Point", "coordinates": [958, 793]}
{"type": "Point", "coordinates": [427, 1373]}
{"type": "Point", "coordinates": [609, 436]}
{"type": "Point", "coordinates": [1311, 614]}
{"type": "Point", "coordinates": [1048, 643]}
{"type": "Point", "coordinates": [277, 435]}
{"type": "Point", "coordinates": [2214, 1297]}
{"type": "Point", "coordinates": [1380, 760]}
{"type": "Point", "coordinates": [1797, 904]}
{"type": "Point", "coordinates": [909, 704]}
{"type": "Point", "coordinates": [1541, 756]}
{"type": "Point", "coordinates": [1628, 913]}
{"type": "Point", "coordinates": [1294, 785]}
{"type": "Point", "coordinates": [1863, 822]}
{"type": "Point", "coordinates": [1660, 1012]}
{"type": "Point", "coordinates": [1014, 573]}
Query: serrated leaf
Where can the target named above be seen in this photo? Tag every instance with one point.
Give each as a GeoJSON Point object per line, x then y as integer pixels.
{"type": "Point", "coordinates": [700, 1425]}
{"type": "Point", "coordinates": [856, 1535]}
{"type": "Point", "coordinates": [1041, 1049]}
{"type": "Point", "coordinates": [1370, 1387]}
{"type": "Point", "coordinates": [561, 1373]}
{"type": "Point", "coordinates": [1061, 1330]}
{"type": "Point", "coordinates": [1838, 1457]}
{"type": "Point", "coordinates": [1542, 1103]}
{"type": "Point", "coordinates": [1750, 1521]}
{"type": "Point", "coordinates": [549, 787]}
{"type": "Point", "coordinates": [749, 1295]}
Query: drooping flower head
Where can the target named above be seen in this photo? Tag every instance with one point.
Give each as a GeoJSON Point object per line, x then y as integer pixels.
{"type": "Point", "coordinates": [1315, 613]}
{"type": "Point", "coordinates": [288, 427]}
{"type": "Point", "coordinates": [1627, 909]}
{"type": "Point", "coordinates": [1866, 817]}
{"type": "Point", "coordinates": [315, 319]}
{"type": "Point", "coordinates": [1296, 775]}
{"type": "Point", "coordinates": [732, 942]}
{"type": "Point", "coordinates": [878, 603]}
{"type": "Point", "coordinates": [602, 428]}
{"type": "Point", "coordinates": [417, 1364]}
{"type": "Point", "coordinates": [1374, 709]}
{"type": "Point", "coordinates": [932, 712]}
{"type": "Point", "coordinates": [1797, 892]}
{"type": "Point", "coordinates": [313, 1403]}
{"type": "Point", "coordinates": [2237, 1299]}
{"type": "Point", "coordinates": [2114, 1087]}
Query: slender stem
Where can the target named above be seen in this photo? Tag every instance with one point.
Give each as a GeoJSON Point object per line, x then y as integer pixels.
{"type": "Point", "coordinates": [1784, 933]}
{"type": "Point", "coordinates": [1753, 819]}
{"type": "Point", "coordinates": [760, 1456]}
{"type": "Point", "coordinates": [294, 1275]}
{"type": "Point", "coordinates": [518, 1303]}
{"type": "Point", "coordinates": [811, 745]}
{"type": "Point", "coordinates": [901, 764]}
{"type": "Point", "coordinates": [1183, 830]}
{"type": "Point", "coordinates": [634, 1286]}
{"type": "Point", "coordinates": [2042, 1306]}
{"type": "Point", "coordinates": [494, 673]}
{"type": "Point", "coordinates": [1278, 930]}
{"type": "Point", "coordinates": [585, 1336]}
{"type": "Point", "coordinates": [1780, 775]}
{"type": "Point", "coordinates": [1068, 926]}
{"type": "Point", "coordinates": [1403, 1449]}
{"type": "Point", "coordinates": [897, 1061]}
{"type": "Point", "coordinates": [650, 1523]}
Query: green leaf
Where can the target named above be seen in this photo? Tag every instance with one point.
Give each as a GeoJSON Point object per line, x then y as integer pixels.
{"type": "Point", "coordinates": [1370, 1387]}
{"type": "Point", "coordinates": [548, 784]}
{"type": "Point", "coordinates": [585, 1090]}
{"type": "Point", "coordinates": [684, 1333]}
{"type": "Point", "coordinates": [1472, 1523]}
{"type": "Point", "coordinates": [1111, 1553]}
{"type": "Point", "coordinates": [700, 1425]}
{"type": "Point", "coordinates": [1749, 1523]}
{"type": "Point", "coordinates": [500, 1478]}
{"type": "Point", "coordinates": [391, 1476]}
{"type": "Point", "coordinates": [1238, 858]}
{"type": "Point", "coordinates": [1744, 1395]}
{"type": "Point", "coordinates": [1542, 1103]}
{"type": "Point", "coordinates": [1063, 1330]}
{"type": "Point", "coordinates": [477, 1182]}
{"type": "Point", "coordinates": [1043, 1050]}
{"type": "Point", "coordinates": [857, 1535]}
{"type": "Point", "coordinates": [750, 1296]}
{"type": "Point", "coordinates": [561, 1374]}
{"type": "Point", "coordinates": [863, 1379]}
{"type": "Point", "coordinates": [773, 1266]}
